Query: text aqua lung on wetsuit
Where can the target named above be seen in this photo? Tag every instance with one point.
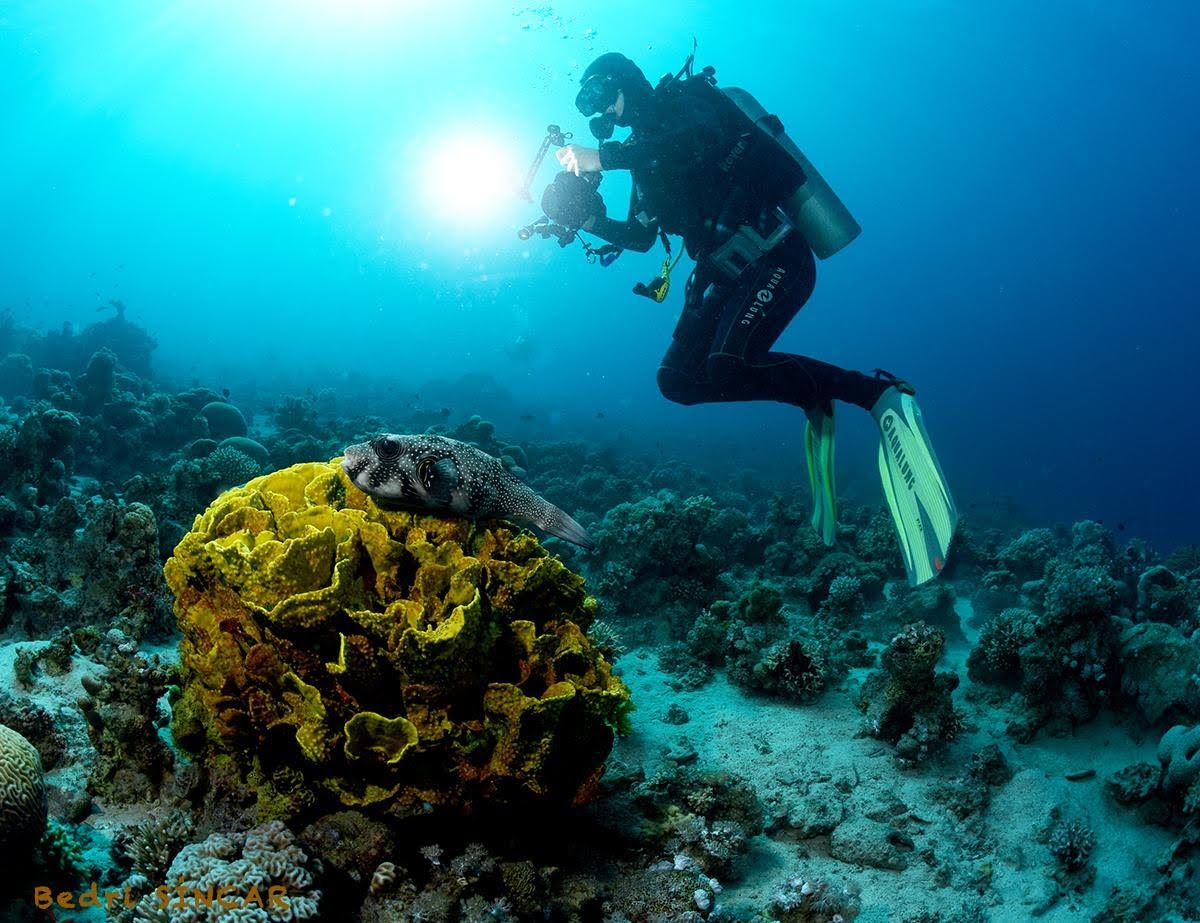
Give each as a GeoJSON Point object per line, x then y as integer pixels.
{"type": "Point", "coordinates": [763, 298]}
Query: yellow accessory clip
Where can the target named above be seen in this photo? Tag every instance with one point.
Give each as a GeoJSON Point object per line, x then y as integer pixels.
{"type": "Point", "coordinates": [660, 286]}
{"type": "Point", "coordinates": [658, 289]}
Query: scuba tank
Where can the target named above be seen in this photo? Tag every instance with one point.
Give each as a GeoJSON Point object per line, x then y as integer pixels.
{"type": "Point", "coordinates": [819, 215]}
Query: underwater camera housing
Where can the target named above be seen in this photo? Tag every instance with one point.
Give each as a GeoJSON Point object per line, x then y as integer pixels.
{"type": "Point", "coordinates": [573, 200]}
{"type": "Point", "coordinates": [543, 227]}
{"type": "Point", "coordinates": [570, 197]}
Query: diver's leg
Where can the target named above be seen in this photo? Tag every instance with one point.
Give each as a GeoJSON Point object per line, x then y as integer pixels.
{"type": "Point", "coordinates": [763, 303]}
{"type": "Point", "coordinates": [683, 375]}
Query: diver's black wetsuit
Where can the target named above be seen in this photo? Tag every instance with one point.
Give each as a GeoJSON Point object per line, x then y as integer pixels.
{"type": "Point", "coordinates": [678, 154]}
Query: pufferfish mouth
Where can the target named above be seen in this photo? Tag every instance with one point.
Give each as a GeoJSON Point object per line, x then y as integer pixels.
{"type": "Point", "coordinates": [354, 460]}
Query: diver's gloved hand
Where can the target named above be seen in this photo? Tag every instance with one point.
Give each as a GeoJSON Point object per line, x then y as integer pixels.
{"type": "Point", "coordinates": [895, 381]}
{"type": "Point", "coordinates": [573, 201]}
{"type": "Point", "coordinates": [579, 159]}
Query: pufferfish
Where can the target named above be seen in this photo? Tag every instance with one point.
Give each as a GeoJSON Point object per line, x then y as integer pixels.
{"type": "Point", "coordinates": [433, 473]}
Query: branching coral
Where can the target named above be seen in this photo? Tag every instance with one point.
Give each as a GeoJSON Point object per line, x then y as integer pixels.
{"type": "Point", "coordinates": [702, 820]}
{"type": "Point", "coordinates": [149, 847]}
{"type": "Point", "coordinates": [60, 856]}
{"type": "Point", "coordinates": [837, 565]}
{"type": "Point", "coordinates": [971, 792]}
{"type": "Point", "coordinates": [296, 413]}
{"type": "Point", "coordinates": [844, 604]}
{"type": "Point", "coordinates": [228, 466]}
{"type": "Point", "coordinates": [792, 669]}
{"type": "Point", "coordinates": [1071, 843]}
{"type": "Point", "coordinates": [996, 656]}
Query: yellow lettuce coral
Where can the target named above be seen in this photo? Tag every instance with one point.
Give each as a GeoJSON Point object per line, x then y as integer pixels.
{"type": "Point", "coordinates": [393, 659]}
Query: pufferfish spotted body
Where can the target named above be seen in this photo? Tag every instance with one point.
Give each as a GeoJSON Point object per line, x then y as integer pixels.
{"type": "Point", "coordinates": [438, 474]}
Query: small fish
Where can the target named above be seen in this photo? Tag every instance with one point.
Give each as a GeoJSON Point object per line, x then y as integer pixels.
{"type": "Point", "coordinates": [528, 418]}
{"type": "Point", "coordinates": [600, 414]}
{"type": "Point", "coordinates": [434, 473]}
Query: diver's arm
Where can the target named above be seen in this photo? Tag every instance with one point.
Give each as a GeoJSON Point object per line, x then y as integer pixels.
{"type": "Point", "coordinates": [615, 155]}
{"type": "Point", "coordinates": [690, 131]}
{"type": "Point", "coordinates": [629, 234]}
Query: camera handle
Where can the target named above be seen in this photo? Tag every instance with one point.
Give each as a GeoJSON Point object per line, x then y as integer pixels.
{"type": "Point", "coordinates": [555, 136]}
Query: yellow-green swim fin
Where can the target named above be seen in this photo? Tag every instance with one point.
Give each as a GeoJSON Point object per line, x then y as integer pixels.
{"type": "Point", "coordinates": [818, 450]}
{"type": "Point", "coordinates": [916, 490]}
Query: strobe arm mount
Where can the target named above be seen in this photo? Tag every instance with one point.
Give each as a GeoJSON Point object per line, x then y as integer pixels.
{"type": "Point", "coordinates": [554, 136]}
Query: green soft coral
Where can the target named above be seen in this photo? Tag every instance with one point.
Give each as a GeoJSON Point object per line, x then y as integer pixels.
{"type": "Point", "coordinates": [395, 660]}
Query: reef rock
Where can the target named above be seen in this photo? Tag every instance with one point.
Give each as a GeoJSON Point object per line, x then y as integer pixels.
{"type": "Point", "coordinates": [1160, 669]}
{"type": "Point", "coordinates": [862, 841]}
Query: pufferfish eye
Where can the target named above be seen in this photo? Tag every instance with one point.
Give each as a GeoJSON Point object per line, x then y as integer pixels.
{"type": "Point", "coordinates": [387, 448]}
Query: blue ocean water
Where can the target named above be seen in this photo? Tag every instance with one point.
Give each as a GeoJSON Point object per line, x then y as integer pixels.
{"type": "Point", "coordinates": [270, 188]}
{"type": "Point", "coordinates": [310, 206]}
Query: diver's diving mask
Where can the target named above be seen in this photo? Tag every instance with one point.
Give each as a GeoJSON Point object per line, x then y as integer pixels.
{"type": "Point", "coordinates": [598, 92]}
{"type": "Point", "coordinates": [597, 95]}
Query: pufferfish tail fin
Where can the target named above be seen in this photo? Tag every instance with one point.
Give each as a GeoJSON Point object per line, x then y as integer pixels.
{"type": "Point", "coordinates": [553, 521]}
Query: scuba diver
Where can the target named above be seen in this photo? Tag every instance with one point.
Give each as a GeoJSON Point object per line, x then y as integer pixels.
{"type": "Point", "coordinates": [710, 165]}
